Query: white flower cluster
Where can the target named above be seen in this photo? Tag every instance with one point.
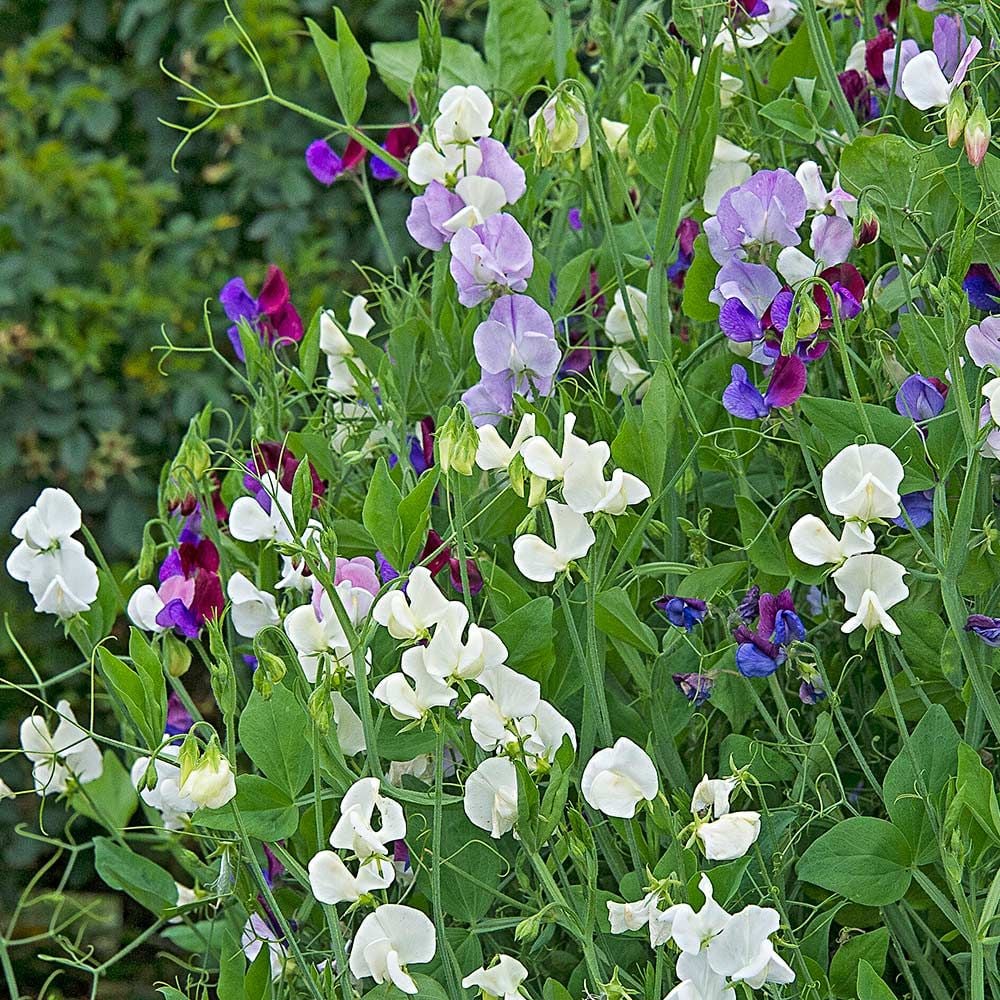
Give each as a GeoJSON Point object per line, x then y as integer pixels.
{"type": "Point", "coordinates": [59, 757]}
{"type": "Point", "coordinates": [723, 835]}
{"type": "Point", "coordinates": [61, 577]}
{"type": "Point", "coordinates": [861, 485]}
{"type": "Point", "coordinates": [717, 949]}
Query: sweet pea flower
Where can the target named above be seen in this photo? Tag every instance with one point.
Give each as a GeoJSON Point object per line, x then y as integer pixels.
{"type": "Point", "coordinates": [755, 23]}
{"type": "Point", "coordinates": [413, 701]}
{"type": "Point", "coordinates": [495, 257]}
{"type": "Point", "coordinates": [354, 830]}
{"type": "Point", "coordinates": [542, 460]}
{"type": "Point", "coordinates": [490, 799]}
{"type": "Point", "coordinates": [464, 115]}
{"type": "Point", "coordinates": [698, 981]}
{"type": "Point", "coordinates": [410, 614]}
{"type": "Point", "coordinates": [252, 609]}
{"type": "Point", "coordinates": [697, 688]}
{"type": "Point", "coordinates": [494, 453]}
{"type": "Point", "coordinates": [743, 399]}
{"type": "Point", "coordinates": [257, 935]}
{"type": "Point", "coordinates": [744, 293]}
{"type": "Point", "coordinates": [165, 798]}
{"type": "Point", "coordinates": [267, 516]}
{"type": "Point", "coordinates": [982, 341]}
{"type": "Point", "coordinates": [559, 125]}
{"type": "Point", "coordinates": [690, 929]}
{"type": "Point", "coordinates": [617, 326]}
{"type": "Point", "coordinates": [331, 881]}
{"type": "Point", "coordinates": [501, 981]}
{"type": "Point", "coordinates": [814, 544]}
{"type": "Point", "coordinates": [684, 612]}
{"type": "Point", "coordinates": [387, 941]}
{"type": "Point", "coordinates": [59, 758]}
{"type": "Point", "coordinates": [338, 349]}
{"type": "Point", "coordinates": [921, 398]}
{"type": "Point", "coordinates": [625, 374]}
{"type": "Point", "coordinates": [316, 632]}
{"type": "Point", "coordinates": [542, 562]}
{"type": "Point", "coordinates": [496, 717]}
{"type": "Point", "coordinates": [871, 584]}
{"type": "Point", "coordinates": [730, 168]}
{"type": "Point", "coordinates": [760, 652]}
{"type": "Point", "coordinates": [633, 916]}
{"type": "Point", "coordinates": [586, 491]}
{"type": "Point", "coordinates": [271, 315]}
{"type": "Point", "coordinates": [730, 836]}
{"type": "Point", "coordinates": [618, 778]}
{"type": "Point", "coordinates": [983, 290]}
{"type": "Point", "coordinates": [210, 783]}
{"type": "Point", "coordinates": [987, 628]}
{"type": "Point", "coordinates": [327, 166]}
{"type": "Point", "coordinates": [861, 482]}
{"type": "Point", "coordinates": [743, 952]}
{"type": "Point", "coordinates": [924, 83]}
{"type": "Point", "coordinates": [60, 577]}
{"type": "Point", "coordinates": [918, 507]}
{"type": "Point", "coordinates": [447, 656]}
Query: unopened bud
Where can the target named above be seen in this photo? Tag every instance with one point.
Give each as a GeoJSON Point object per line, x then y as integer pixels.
{"type": "Point", "coordinates": [866, 228]}
{"type": "Point", "coordinates": [527, 930]}
{"type": "Point", "coordinates": [176, 655]}
{"type": "Point", "coordinates": [977, 135]}
{"type": "Point", "coordinates": [321, 708]}
{"type": "Point", "coordinates": [457, 442]}
{"type": "Point", "coordinates": [955, 116]}
{"type": "Point", "coordinates": [559, 125]}
{"type": "Point", "coordinates": [808, 319]}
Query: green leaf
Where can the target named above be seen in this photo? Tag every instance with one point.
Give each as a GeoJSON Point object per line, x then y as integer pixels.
{"type": "Point", "coordinates": [267, 811]}
{"type": "Point", "coordinates": [932, 755]}
{"type": "Point", "coordinates": [379, 514]}
{"type": "Point", "coordinates": [870, 948]}
{"type": "Point", "coordinates": [699, 282]}
{"type": "Point", "coordinates": [791, 116]}
{"type": "Point", "coordinates": [528, 635]}
{"type": "Point", "coordinates": [302, 495]}
{"type": "Point", "coordinates": [426, 988]}
{"type": "Point", "coordinates": [517, 44]}
{"type": "Point", "coordinates": [414, 512]}
{"type": "Point", "coordinates": [111, 799]}
{"type": "Point", "coordinates": [571, 283]}
{"type": "Point", "coordinates": [315, 448]}
{"type": "Point", "coordinates": [127, 686]}
{"type": "Point", "coordinates": [864, 859]}
{"type": "Point", "coordinates": [708, 581]}
{"type": "Point", "coordinates": [397, 63]}
{"type": "Point", "coordinates": [345, 65]}
{"type": "Point", "coordinates": [144, 880]}
{"type": "Point", "coordinates": [760, 539]}
{"type": "Point", "coordinates": [615, 616]}
{"type": "Point", "coordinates": [797, 58]}
{"type": "Point", "coordinates": [642, 443]}
{"type": "Point", "coordinates": [870, 984]}
{"type": "Point", "coordinates": [266, 728]}
{"type": "Point", "coordinates": [232, 966]}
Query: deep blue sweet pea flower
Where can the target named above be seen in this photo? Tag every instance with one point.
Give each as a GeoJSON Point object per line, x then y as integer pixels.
{"type": "Point", "coordinates": [684, 612]}
{"type": "Point", "coordinates": [982, 288]}
{"type": "Point", "coordinates": [988, 629]}
{"type": "Point", "coordinates": [755, 655]}
{"type": "Point", "coordinates": [919, 507]}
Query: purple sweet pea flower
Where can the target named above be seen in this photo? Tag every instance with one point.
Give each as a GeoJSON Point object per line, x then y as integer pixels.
{"type": "Point", "coordinates": [428, 214]}
{"type": "Point", "coordinates": [779, 618]}
{"type": "Point", "coordinates": [574, 219]}
{"type": "Point", "coordinates": [190, 588]}
{"type": "Point", "coordinates": [988, 629]}
{"type": "Point", "coordinates": [326, 165]}
{"type": "Point", "coordinates": [493, 257]}
{"type": "Point", "coordinates": [687, 231]}
{"type": "Point", "coordinates": [982, 341]}
{"type": "Point", "coordinates": [743, 399]}
{"type": "Point", "coordinates": [498, 165]}
{"type": "Point", "coordinates": [832, 238]}
{"type": "Point", "coordinates": [179, 719]}
{"type": "Point", "coordinates": [744, 292]}
{"type": "Point", "coordinates": [516, 347]}
{"type": "Point", "coordinates": [755, 655]}
{"type": "Point", "coordinates": [697, 688]}
{"type": "Point", "coordinates": [684, 612]}
{"type": "Point", "coordinates": [489, 400]}
{"type": "Point", "coordinates": [919, 507]}
{"type": "Point", "coordinates": [271, 315]}
{"type": "Point", "coordinates": [747, 608]}
{"type": "Point", "coordinates": [759, 653]}
{"type": "Point", "coordinates": [767, 208]}
{"type": "Point", "coordinates": [983, 289]}
{"type": "Point", "coordinates": [949, 42]}
{"type": "Point", "coordinates": [921, 398]}
{"type": "Point", "coordinates": [275, 869]}
{"type": "Point", "coordinates": [386, 571]}
{"type": "Point", "coordinates": [811, 692]}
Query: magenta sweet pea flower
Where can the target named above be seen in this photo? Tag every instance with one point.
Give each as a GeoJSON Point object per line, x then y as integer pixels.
{"type": "Point", "coordinates": [492, 258]}
{"type": "Point", "coordinates": [190, 588]}
{"type": "Point", "coordinates": [271, 314]}
{"type": "Point", "coordinates": [744, 400]}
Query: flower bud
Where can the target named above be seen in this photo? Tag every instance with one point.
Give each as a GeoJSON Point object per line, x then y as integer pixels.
{"type": "Point", "coordinates": [559, 125]}
{"type": "Point", "coordinates": [808, 319]}
{"type": "Point", "coordinates": [955, 116]}
{"type": "Point", "coordinates": [190, 466]}
{"type": "Point", "coordinates": [457, 442]}
{"type": "Point", "coordinates": [176, 655]}
{"type": "Point", "coordinates": [977, 135]}
{"type": "Point", "coordinates": [866, 228]}
{"type": "Point", "coordinates": [321, 708]}
{"type": "Point", "coordinates": [210, 783]}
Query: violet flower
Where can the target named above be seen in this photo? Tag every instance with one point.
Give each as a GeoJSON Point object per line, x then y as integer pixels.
{"type": "Point", "coordinates": [190, 588]}
{"type": "Point", "coordinates": [697, 688]}
{"type": "Point", "coordinates": [949, 42]}
{"type": "Point", "coordinates": [811, 692]}
{"type": "Point", "coordinates": [760, 652]}
{"type": "Point", "coordinates": [746, 610]}
{"type": "Point", "coordinates": [400, 141]}
{"type": "Point", "coordinates": [575, 219]}
{"type": "Point", "coordinates": [179, 719]}
{"type": "Point", "coordinates": [327, 166]}
{"type": "Point", "coordinates": [743, 399]}
{"type": "Point", "coordinates": [982, 287]}
{"type": "Point", "coordinates": [687, 232]}
{"type": "Point", "coordinates": [921, 398]}
{"type": "Point", "coordinates": [493, 258]}
{"type": "Point", "coordinates": [683, 612]}
{"type": "Point", "coordinates": [744, 293]}
{"type": "Point", "coordinates": [919, 507]}
{"type": "Point", "coordinates": [988, 629]}
{"type": "Point", "coordinates": [848, 287]}
{"type": "Point", "coordinates": [271, 315]}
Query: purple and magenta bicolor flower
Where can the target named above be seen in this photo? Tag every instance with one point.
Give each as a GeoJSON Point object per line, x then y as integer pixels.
{"type": "Point", "coordinates": [987, 628]}
{"type": "Point", "coordinates": [686, 234]}
{"type": "Point", "coordinates": [400, 141]}
{"type": "Point", "coordinates": [697, 688]}
{"type": "Point", "coordinates": [271, 315]}
{"type": "Point", "coordinates": [190, 588]}
{"type": "Point", "coordinates": [848, 287]}
{"type": "Point", "coordinates": [327, 166]}
{"type": "Point", "coordinates": [921, 398]}
{"type": "Point", "coordinates": [919, 507]}
{"type": "Point", "coordinates": [982, 287]}
{"type": "Point", "coordinates": [493, 258]}
{"type": "Point", "coordinates": [274, 457]}
{"type": "Point", "coordinates": [743, 399]}
{"type": "Point", "coordinates": [759, 652]}
{"type": "Point", "coordinates": [683, 612]}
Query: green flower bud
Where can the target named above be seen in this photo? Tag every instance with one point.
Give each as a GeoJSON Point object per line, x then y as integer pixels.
{"type": "Point", "coordinates": [978, 132]}
{"type": "Point", "coordinates": [458, 442]}
{"type": "Point", "coordinates": [176, 655]}
{"type": "Point", "coordinates": [955, 116]}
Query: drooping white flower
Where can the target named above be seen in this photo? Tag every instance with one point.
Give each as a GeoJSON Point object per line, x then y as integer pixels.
{"type": "Point", "coordinates": [730, 836]}
{"type": "Point", "coordinates": [412, 614]}
{"type": "Point", "coordinates": [542, 733]}
{"type": "Point", "coordinates": [814, 544]}
{"type": "Point", "coordinates": [618, 778]}
{"type": "Point", "coordinates": [743, 951]}
{"type": "Point", "coordinates": [332, 882]}
{"type": "Point", "coordinates": [871, 584]}
{"type": "Point", "coordinates": [449, 657]}
{"type": "Point", "coordinates": [413, 700]}
{"type": "Point", "coordinates": [61, 578]}
{"type": "Point", "coordinates": [338, 349]}
{"type": "Point", "coordinates": [249, 521]}
{"type": "Point", "coordinates": [464, 115]}
{"type": "Point", "coordinates": [542, 460]}
{"type": "Point", "coordinates": [494, 717]}
{"type": "Point", "coordinates": [925, 85]}
{"type": "Point", "coordinates": [625, 374]}
{"type": "Point", "coordinates": [452, 160]}
{"type": "Point", "coordinates": [295, 573]}
{"type": "Point", "coordinates": [350, 731]}
{"type": "Point", "coordinates": [616, 324]}
{"type": "Point", "coordinates": [252, 608]}
{"type": "Point", "coordinates": [491, 796]}
{"type": "Point", "coordinates": [57, 757]}
{"type": "Point", "coordinates": [711, 796]}
{"type": "Point", "coordinates": [166, 797]}
{"type": "Point", "coordinates": [388, 941]}
{"type": "Point", "coordinates": [354, 830]}
{"type": "Point", "coordinates": [861, 482]}
{"type": "Point", "coordinates": [210, 784]}
{"type": "Point", "coordinates": [502, 980]}
{"type": "Point", "coordinates": [631, 916]}
{"type": "Point", "coordinates": [494, 452]}
{"type": "Point", "coordinates": [542, 562]}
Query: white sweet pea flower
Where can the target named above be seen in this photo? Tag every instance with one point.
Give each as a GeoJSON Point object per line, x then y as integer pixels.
{"type": "Point", "coordinates": [483, 198]}
{"type": "Point", "coordinates": [871, 584]}
{"type": "Point", "coordinates": [295, 574]}
{"type": "Point", "coordinates": [389, 940]}
{"type": "Point", "coordinates": [491, 796]}
{"type": "Point", "coordinates": [495, 716]}
{"type": "Point", "coordinates": [795, 266]}
{"type": "Point", "coordinates": [464, 115]}
{"type": "Point", "coordinates": [586, 491]}
{"type": "Point", "coordinates": [991, 390]}
{"type": "Point", "coordinates": [814, 544]}
{"type": "Point", "coordinates": [542, 562]}
{"type": "Point", "coordinates": [143, 607]}
{"type": "Point", "coordinates": [743, 952]}
{"type": "Point", "coordinates": [809, 177]}
{"type": "Point", "coordinates": [861, 482]}
{"type": "Point", "coordinates": [354, 830]}
{"type": "Point", "coordinates": [925, 86]}
{"type": "Point", "coordinates": [759, 29]}
{"type": "Point", "coordinates": [617, 326]}
{"type": "Point", "coordinates": [501, 981]}
{"type": "Point", "coordinates": [350, 731]}
{"type": "Point", "coordinates": [337, 348]}
{"type": "Point", "coordinates": [210, 784]}
{"type": "Point", "coordinates": [448, 657]}
{"type": "Point", "coordinates": [494, 453]}
{"type": "Point", "coordinates": [316, 632]}
{"type": "Point", "coordinates": [541, 459]}
{"type": "Point", "coordinates": [631, 916]}
{"type": "Point", "coordinates": [412, 614]}
{"type": "Point", "coordinates": [543, 732]}
{"type": "Point", "coordinates": [60, 576]}
{"type": "Point", "coordinates": [332, 882]}
{"type": "Point", "coordinates": [250, 522]}
{"type": "Point", "coordinates": [252, 608]}
{"type": "Point", "coordinates": [166, 797]}
{"type": "Point", "coordinates": [730, 836]}
{"type": "Point", "coordinates": [690, 929]}
{"type": "Point", "coordinates": [618, 778]}
{"type": "Point", "coordinates": [711, 796]}
{"type": "Point", "coordinates": [730, 168]}
{"type": "Point", "coordinates": [6, 792]}
{"type": "Point", "coordinates": [428, 163]}
{"type": "Point", "coordinates": [413, 701]}
{"type": "Point", "coordinates": [625, 374]}
{"type": "Point", "coordinates": [698, 981]}
{"type": "Point", "coordinates": [56, 758]}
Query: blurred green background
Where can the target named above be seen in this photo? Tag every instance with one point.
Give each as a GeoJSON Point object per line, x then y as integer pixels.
{"type": "Point", "coordinates": [102, 244]}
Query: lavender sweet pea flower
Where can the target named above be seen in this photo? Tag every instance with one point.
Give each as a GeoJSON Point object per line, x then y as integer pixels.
{"type": "Point", "coordinates": [743, 399]}
{"type": "Point", "coordinates": [982, 288]}
{"type": "Point", "coordinates": [907, 50]}
{"type": "Point", "coordinates": [949, 42]}
{"type": "Point", "coordinates": [988, 629]}
{"type": "Point", "coordinates": [920, 398]}
{"type": "Point", "coordinates": [982, 341]}
{"type": "Point", "coordinates": [495, 256]}
{"type": "Point", "coordinates": [744, 292]}
{"type": "Point", "coordinates": [489, 400]}
{"type": "Point", "coordinates": [832, 238]}
{"type": "Point", "coordinates": [498, 165]}
{"type": "Point", "coordinates": [919, 508]}
{"type": "Point", "coordinates": [767, 208]}
{"type": "Point", "coordinates": [697, 688]}
{"type": "Point", "coordinates": [516, 345]}
{"type": "Point", "coordinates": [428, 214]}
{"type": "Point", "coordinates": [684, 612]}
